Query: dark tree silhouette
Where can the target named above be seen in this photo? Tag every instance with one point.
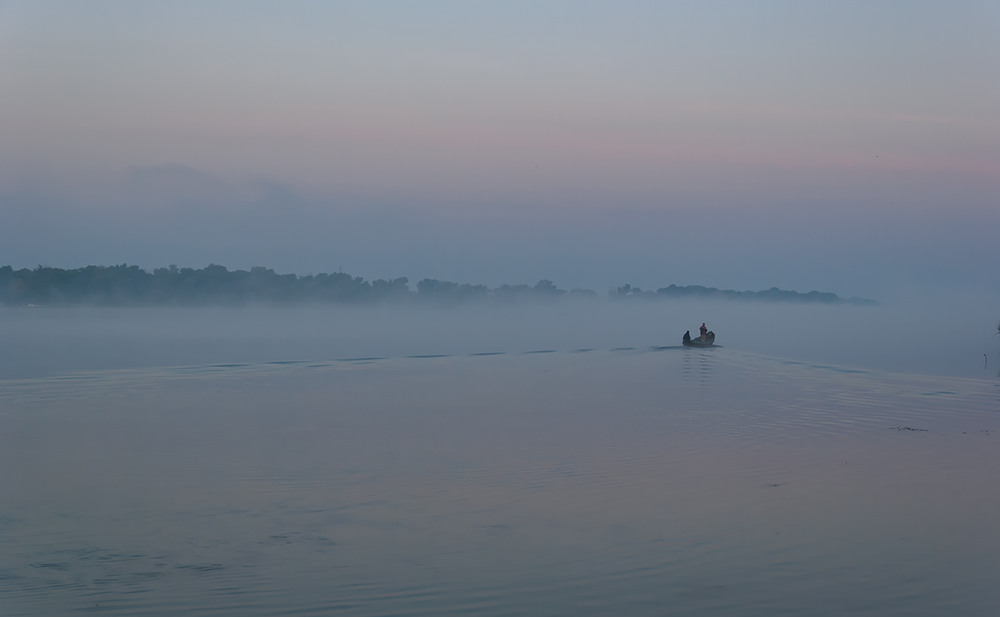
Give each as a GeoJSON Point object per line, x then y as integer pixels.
{"type": "Point", "coordinates": [125, 285]}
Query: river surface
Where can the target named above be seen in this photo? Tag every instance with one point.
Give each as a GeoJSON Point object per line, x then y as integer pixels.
{"type": "Point", "coordinates": [445, 476]}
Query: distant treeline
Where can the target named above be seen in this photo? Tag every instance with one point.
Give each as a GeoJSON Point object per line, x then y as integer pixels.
{"type": "Point", "coordinates": [126, 285]}
{"type": "Point", "coordinates": [698, 291]}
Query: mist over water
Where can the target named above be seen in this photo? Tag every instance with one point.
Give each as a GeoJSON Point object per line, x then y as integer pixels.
{"type": "Point", "coordinates": [946, 336]}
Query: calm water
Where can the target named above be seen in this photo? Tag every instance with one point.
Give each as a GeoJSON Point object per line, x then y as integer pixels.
{"type": "Point", "coordinates": [501, 479]}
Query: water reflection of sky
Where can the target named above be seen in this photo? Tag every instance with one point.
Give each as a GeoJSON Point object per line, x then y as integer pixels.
{"type": "Point", "coordinates": [586, 483]}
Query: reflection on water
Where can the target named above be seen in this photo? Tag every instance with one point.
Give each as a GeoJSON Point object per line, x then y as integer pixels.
{"type": "Point", "coordinates": [635, 480]}
{"type": "Point", "coordinates": [697, 365]}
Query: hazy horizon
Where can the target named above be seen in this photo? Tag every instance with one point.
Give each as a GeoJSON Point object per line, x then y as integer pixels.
{"type": "Point", "coordinates": [848, 147]}
{"type": "Point", "coordinates": [929, 337]}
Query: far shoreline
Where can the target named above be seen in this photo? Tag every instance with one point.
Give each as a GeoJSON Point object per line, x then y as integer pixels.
{"type": "Point", "coordinates": [216, 286]}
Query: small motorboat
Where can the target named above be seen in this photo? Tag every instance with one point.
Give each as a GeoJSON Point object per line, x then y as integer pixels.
{"type": "Point", "coordinates": [702, 341]}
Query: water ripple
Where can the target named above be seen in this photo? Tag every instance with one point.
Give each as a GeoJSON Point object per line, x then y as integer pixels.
{"type": "Point", "coordinates": [630, 480]}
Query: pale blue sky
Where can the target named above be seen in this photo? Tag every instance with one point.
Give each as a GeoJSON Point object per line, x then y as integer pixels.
{"type": "Point", "coordinates": [842, 146]}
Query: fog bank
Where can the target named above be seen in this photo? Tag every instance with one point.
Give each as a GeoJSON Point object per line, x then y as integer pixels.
{"type": "Point", "coordinates": [948, 337]}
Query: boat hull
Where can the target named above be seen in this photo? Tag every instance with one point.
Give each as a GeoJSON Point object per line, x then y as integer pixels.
{"type": "Point", "coordinates": [707, 341]}
{"type": "Point", "coordinates": [696, 343]}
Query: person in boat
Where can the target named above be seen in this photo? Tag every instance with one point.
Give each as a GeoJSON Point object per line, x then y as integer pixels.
{"type": "Point", "coordinates": [704, 331]}
{"type": "Point", "coordinates": [687, 336]}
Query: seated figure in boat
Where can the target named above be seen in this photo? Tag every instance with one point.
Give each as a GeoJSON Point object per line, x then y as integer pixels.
{"type": "Point", "coordinates": [687, 336]}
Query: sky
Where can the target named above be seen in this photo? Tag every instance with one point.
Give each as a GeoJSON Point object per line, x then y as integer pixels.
{"type": "Point", "coordinates": [850, 147]}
